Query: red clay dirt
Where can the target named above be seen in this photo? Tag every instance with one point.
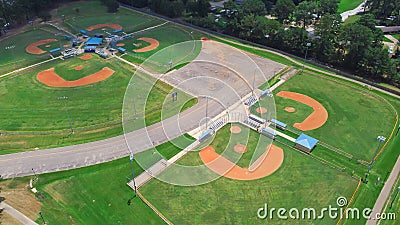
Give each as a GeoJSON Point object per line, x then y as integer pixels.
{"type": "Point", "coordinates": [316, 119]}
{"type": "Point", "coordinates": [239, 148]}
{"type": "Point", "coordinates": [120, 44]}
{"type": "Point", "coordinates": [153, 45]}
{"type": "Point", "coordinates": [86, 57]}
{"type": "Point", "coordinates": [205, 39]}
{"type": "Point", "coordinates": [50, 78]}
{"type": "Point", "coordinates": [268, 163]}
{"type": "Point", "coordinates": [110, 25]}
{"type": "Point", "coordinates": [235, 129]}
{"type": "Point", "coordinates": [261, 110]}
{"type": "Point", "coordinates": [290, 109]}
{"type": "Point", "coordinates": [79, 68]}
{"type": "Point", "coordinates": [33, 47]}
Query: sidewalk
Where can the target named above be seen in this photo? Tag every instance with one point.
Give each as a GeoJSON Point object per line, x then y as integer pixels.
{"type": "Point", "coordinates": [17, 214]}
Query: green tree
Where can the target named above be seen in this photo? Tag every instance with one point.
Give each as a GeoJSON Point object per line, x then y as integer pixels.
{"type": "Point", "coordinates": [283, 9]}
{"type": "Point", "coordinates": [304, 12]}
{"type": "Point", "coordinates": [327, 7]}
{"type": "Point", "coordinates": [327, 30]}
{"type": "Point", "coordinates": [369, 21]}
{"type": "Point", "coordinates": [354, 40]}
{"type": "Point", "coordinates": [256, 7]}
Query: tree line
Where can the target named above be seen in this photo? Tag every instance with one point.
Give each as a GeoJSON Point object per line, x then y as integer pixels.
{"type": "Point", "coordinates": [17, 12]}
{"type": "Point", "coordinates": [354, 47]}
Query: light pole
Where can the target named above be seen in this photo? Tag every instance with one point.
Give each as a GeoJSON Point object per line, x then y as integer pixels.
{"type": "Point", "coordinates": [380, 139]}
{"type": "Point", "coordinates": [305, 56]}
{"type": "Point", "coordinates": [397, 192]}
{"type": "Point", "coordinates": [206, 112]}
{"type": "Point", "coordinates": [66, 111]}
{"type": "Point", "coordinates": [133, 100]}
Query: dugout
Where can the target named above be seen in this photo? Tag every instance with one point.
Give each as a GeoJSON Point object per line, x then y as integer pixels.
{"type": "Point", "coordinates": [206, 134]}
{"type": "Point", "coordinates": [268, 133]}
{"type": "Point", "coordinates": [278, 124]}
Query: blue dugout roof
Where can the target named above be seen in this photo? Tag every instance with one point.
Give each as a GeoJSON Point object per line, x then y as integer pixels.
{"type": "Point", "coordinates": [55, 50]}
{"type": "Point", "coordinates": [94, 41]}
{"type": "Point", "coordinates": [83, 31]}
{"type": "Point", "coordinates": [306, 141]}
{"type": "Point", "coordinates": [121, 49]}
{"type": "Point", "coordinates": [205, 134]}
{"type": "Point", "coordinates": [268, 131]}
{"type": "Point", "coordinates": [278, 123]}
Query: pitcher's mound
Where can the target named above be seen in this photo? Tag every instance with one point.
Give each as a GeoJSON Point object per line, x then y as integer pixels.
{"type": "Point", "coordinates": [235, 129]}
{"type": "Point", "coordinates": [86, 57]}
{"type": "Point", "coordinates": [290, 109]}
{"type": "Point", "coordinates": [239, 148]}
{"type": "Point", "coordinates": [47, 46]}
{"type": "Point", "coordinates": [261, 110]}
{"type": "Point", "coordinates": [120, 44]}
{"type": "Point", "coordinates": [79, 68]}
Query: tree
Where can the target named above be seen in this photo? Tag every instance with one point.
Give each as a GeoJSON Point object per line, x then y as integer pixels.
{"type": "Point", "coordinates": [256, 7]}
{"type": "Point", "coordinates": [327, 30]}
{"type": "Point", "coordinates": [283, 9]}
{"type": "Point", "coordinates": [112, 5]}
{"type": "Point", "coordinates": [304, 12]}
{"type": "Point", "coordinates": [369, 21]}
{"type": "Point", "coordinates": [327, 7]}
{"type": "Point", "coordinates": [354, 40]}
{"type": "Point", "coordinates": [198, 8]}
{"type": "Point", "coordinates": [293, 40]}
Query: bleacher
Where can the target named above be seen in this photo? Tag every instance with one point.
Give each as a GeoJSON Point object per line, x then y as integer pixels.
{"type": "Point", "coordinates": [265, 92]}
{"type": "Point", "coordinates": [217, 124]}
{"type": "Point", "coordinates": [250, 101]}
{"type": "Point", "coordinates": [278, 124]}
{"type": "Point", "coordinates": [257, 119]}
{"type": "Point", "coordinates": [268, 133]}
{"type": "Point", "coordinates": [252, 123]}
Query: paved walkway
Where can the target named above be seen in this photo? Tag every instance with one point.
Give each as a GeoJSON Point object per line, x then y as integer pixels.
{"type": "Point", "coordinates": [352, 12]}
{"type": "Point", "coordinates": [385, 193]}
{"type": "Point", "coordinates": [28, 67]}
{"type": "Point", "coordinates": [17, 214]}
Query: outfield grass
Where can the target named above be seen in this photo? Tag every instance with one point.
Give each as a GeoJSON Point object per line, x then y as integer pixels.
{"type": "Point", "coordinates": [345, 5]}
{"type": "Point", "coordinates": [356, 117]}
{"type": "Point", "coordinates": [176, 57]}
{"type": "Point", "coordinates": [31, 109]}
{"type": "Point", "coordinates": [16, 56]}
{"type": "Point", "coordinates": [224, 201]}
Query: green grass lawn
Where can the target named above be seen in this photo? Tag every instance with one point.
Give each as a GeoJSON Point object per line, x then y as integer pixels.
{"type": "Point", "coordinates": [352, 19]}
{"type": "Point", "coordinates": [224, 201]}
{"type": "Point", "coordinates": [385, 39]}
{"type": "Point", "coordinates": [184, 53]}
{"type": "Point", "coordinates": [345, 5]}
{"type": "Point", "coordinates": [397, 36]}
{"type": "Point", "coordinates": [97, 194]}
{"type": "Point", "coordinates": [12, 49]}
{"type": "Point", "coordinates": [31, 108]}
{"type": "Point", "coordinates": [356, 117]}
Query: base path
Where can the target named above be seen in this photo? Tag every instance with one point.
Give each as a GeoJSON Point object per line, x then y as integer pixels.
{"type": "Point", "coordinates": [153, 44]}
{"type": "Point", "coordinates": [33, 48]}
{"type": "Point", "coordinates": [316, 119]}
{"type": "Point", "coordinates": [267, 163]}
{"type": "Point", "coordinates": [50, 78]}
